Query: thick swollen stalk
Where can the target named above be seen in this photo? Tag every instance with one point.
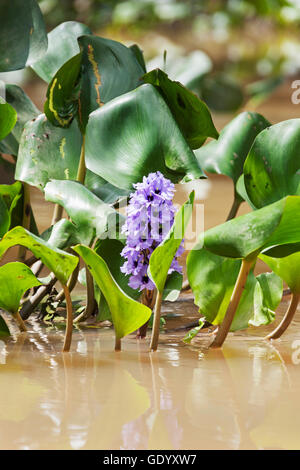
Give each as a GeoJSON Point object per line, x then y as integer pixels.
{"type": "Point", "coordinates": [82, 168]}
{"type": "Point", "coordinates": [118, 344]}
{"type": "Point", "coordinates": [148, 299]}
{"type": "Point", "coordinates": [20, 321]}
{"type": "Point", "coordinates": [287, 318]}
{"type": "Point", "coordinates": [233, 304]}
{"type": "Point", "coordinates": [156, 322]}
{"type": "Point", "coordinates": [69, 328]}
{"type": "Point", "coordinates": [26, 218]}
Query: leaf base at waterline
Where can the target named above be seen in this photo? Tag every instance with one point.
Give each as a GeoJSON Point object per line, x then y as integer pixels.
{"type": "Point", "coordinates": [150, 141]}
{"type": "Point", "coordinates": [212, 279]}
{"type": "Point", "coordinates": [127, 314]}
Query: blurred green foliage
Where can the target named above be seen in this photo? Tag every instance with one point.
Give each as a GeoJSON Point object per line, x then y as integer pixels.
{"type": "Point", "coordinates": [147, 13]}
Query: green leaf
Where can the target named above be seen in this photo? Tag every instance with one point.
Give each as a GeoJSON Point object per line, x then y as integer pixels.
{"type": "Point", "coordinates": [261, 90]}
{"type": "Point", "coordinates": [12, 195]}
{"type": "Point", "coordinates": [4, 217]}
{"type": "Point", "coordinates": [4, 330]}
{"type": "Point", "coordinates": [63, 93]}
{"type": "Point", "coordinates": [26, 111]}
{"type": "Point", "coordinates": [62, 235]}
{"type": "Point", "coordinates": [60, 263]}
{"type": "Point", "coordinates": [23, 38]}
{"type": "Point", "coordinates": [15, 279]}
{"type": "Point", "coordinates": [212, 279]}
{"type": "Point", "coordinates": [163, 255]}
{"type": "Point", "coordinates": [47, 152]}
{"type": "Point", "coordinates": [103, 189]}
{"type": "Point", "coordinates": [194, 331]}
{"type": "Point", "coordinates": [191, 114]}
{"type": "Point", "coordinates": [62, 46]}
{"type": "Point", "coordinates": [288, 268]}
{"type": "Point", "coordinates": [150, 141]}
{"type": "Point", "coordinates": [127, 314]}
{"type": "Point", "coordinates": [272, 168]}
{"type": "Point", "coordinates": [109, 69]}
{"type": "Point", "coordinates": [139, 55]}
{"type": "Point", "coordinates": [227, 155]}
{"type": "Point", "coordinates": [173, 287]}
{"type": "Point", "coordinates": [267, 297]}
{"type": "Point", "coordinates": [8, 118]}
{"type": "Point", "coordinates": [91, 215]}
{"type": "Point", "coordinates": [263, 230]}
{"type": "Point", "coordinates": [221, 93]}
{"type": "Point", "coordinates": [110, 252]}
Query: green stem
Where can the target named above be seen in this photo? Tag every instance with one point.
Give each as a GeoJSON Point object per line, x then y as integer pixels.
{"type": "Point", "coordinates": [72, 281]}
{"type": "Point", "coordinates": [233, 304]}
{"type": "Point", "coordinates": [82, 168]}
{"type": "Point", "coordinates": [282, 327]}
{"type": "Point", "coordinates": [26, 217]}
{"type": "Point", "coordinates": [156, 322]}
{"type": "Point", "coordinates": [69, 328]}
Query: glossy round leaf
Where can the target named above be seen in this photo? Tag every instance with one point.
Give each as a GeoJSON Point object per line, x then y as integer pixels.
{"type": "Point", "coordinates": [23, 38]}
{"type": "Point", "coordinates": [103, 189]}
{"type": "Point", "coordinates": [272, 168]}
{"type": "Point", "coordinates": [134, 135]}
{"type": "Point", "coordinates": [109, 69]}
{"type": "Point", "coordinates": [15, 279]}
{"type": "Point", "coordinates": [25, 110]}
{"type": "Point", "coordinates": [8, 118]}
{"type": "Point", "coordinates": [288, 268]}
{"type": "Point", "coordinates": [47, 152]}
{"type": "Point", "coordinates": [91, 215]}
{"type": "Point", "coordinates": [59, 262]}
{"type": "Point", "coordinates": [127, 314]}
{"type": "Point", "coordinates": [191, 114]}
{"type": "Point", "coordinates": [276, 225]}
{"type": "Point", "coordinates": [227, 155]}
{"type": "Point", "coordinates": [62, 46]}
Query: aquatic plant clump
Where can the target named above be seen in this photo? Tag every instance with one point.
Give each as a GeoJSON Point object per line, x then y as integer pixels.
{"type": "Point", "coordinates": [150, 215]}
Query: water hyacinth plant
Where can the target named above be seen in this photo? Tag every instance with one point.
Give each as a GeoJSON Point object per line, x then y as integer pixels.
{"type": "Point", "coordinates": [108, 126]}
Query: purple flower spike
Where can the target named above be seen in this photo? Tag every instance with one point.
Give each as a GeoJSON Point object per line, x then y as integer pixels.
{"type": "Point", "coordinates": [150, 215]}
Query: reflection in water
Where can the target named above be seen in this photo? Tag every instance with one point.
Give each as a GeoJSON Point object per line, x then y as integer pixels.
{"type": "Point", "coordinates": [245, 396]}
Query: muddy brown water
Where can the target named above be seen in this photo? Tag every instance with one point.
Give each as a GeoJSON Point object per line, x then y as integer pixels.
{"type": "Point", "coordinates": [182, 397]}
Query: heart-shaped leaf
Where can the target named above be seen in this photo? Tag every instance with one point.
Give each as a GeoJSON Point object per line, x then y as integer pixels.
{"type": "Point", "coordinates": [272, 168]}
{"type": "Point", "coordinates": [109, 69]}
{"type": "Point", "coordinates": [59, 262]}
{"type": "Point", "coordinates": [91, 215]}
{"type": "Point", "coordinates": [163, 255]}
{"type": "Point", "coordinates": [213, 278]}
{"type": "Point", "coordinates": [8, 118]}
{"type": "Point", "coordinates": [23, 38]}
{"type": "Point", "coordinates": [63, 94]}
{"type": "Point", "coordinates": [191, 114]}
{"type": "Point", "coordinates": [227, 155]}
{"type": "Point", "coordinates": [288, 268]}
{"type": "Point", "coordinates": [62, 46]}
{"type": "Point", "coordinates": [127, 314]}
{"type": "Point", "coordinates": [148, 142]}
{"type": "Point", "coordinates": [15, 279]}
{"type": "Point", "coordinates": [103, 189]}
{"type": "Point", "coordinates": [26, 111]}
{"type": "Point", "coordinates": [47, 152]}
{"type": "Point", "coordinates": [274, 226]}
{"type": "Point", "coordinates": [62, 235]}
